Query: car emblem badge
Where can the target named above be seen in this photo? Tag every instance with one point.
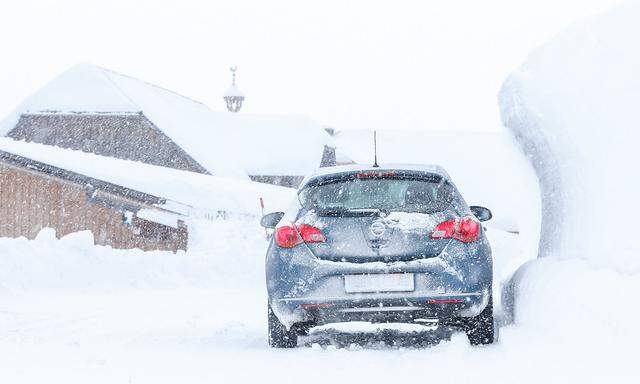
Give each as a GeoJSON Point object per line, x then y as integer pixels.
{"type": "Point", "coordinates": [378, 228]}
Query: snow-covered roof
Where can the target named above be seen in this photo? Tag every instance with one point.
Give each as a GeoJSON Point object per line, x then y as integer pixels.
{"type": "Point", "coordinates": [233, 91]}
{"type": "Point", "coordinates": [226, 144]}
{"type": "Point", "coordinates": [204, 193]}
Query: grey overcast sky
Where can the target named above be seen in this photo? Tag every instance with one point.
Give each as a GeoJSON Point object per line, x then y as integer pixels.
{"type": "Point", "coordinates": [348, 64]}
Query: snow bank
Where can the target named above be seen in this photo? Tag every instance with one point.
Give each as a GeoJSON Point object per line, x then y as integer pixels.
{"type": "Point", "coordinates": [222, 253]}
{"type": "Point", "coordinates": [573, 106]}
{"type": "Point", "coordinates": [570, 301]}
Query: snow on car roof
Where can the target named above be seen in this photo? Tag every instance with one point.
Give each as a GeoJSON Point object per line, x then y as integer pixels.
{"type": "Point", "coordinates": [205, 193]}
{"type": "Point", "coordinates": [225, 143]}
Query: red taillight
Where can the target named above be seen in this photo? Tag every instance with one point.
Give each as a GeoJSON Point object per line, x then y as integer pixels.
{"type": "Point", "coordinates": [289, 236]}
{"type": "Point", "coordinates": [311, 234]}
{"type": "Point", "coordinates": [444, 230]}
{"type": "Point", "coordinates": [466, 230]}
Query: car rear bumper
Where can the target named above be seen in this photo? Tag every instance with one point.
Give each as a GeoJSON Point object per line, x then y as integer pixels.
{"type": "Point", "coordinates": [303, 288]}
{"type": "Point", "coordinates": [381, 308]}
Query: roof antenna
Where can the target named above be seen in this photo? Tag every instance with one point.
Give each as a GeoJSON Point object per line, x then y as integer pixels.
{"type": "Point", "coordinates": [375, 150]}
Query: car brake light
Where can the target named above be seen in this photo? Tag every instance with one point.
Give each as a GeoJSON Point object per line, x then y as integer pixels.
{"type": "Point", "coordinates": [375, 175]}
{"type": "Point", "coordinates": [311, 234]}
{"type": "Point", "coordinates": [466, 230]}
{"type": "Point", "coordinates": [289, 236]}
{"type": "Point", "coordinates": [444, 230]}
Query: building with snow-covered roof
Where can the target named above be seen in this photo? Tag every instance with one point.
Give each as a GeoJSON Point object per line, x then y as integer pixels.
{"type": "Point", "coordinates": [96, 110]}
{"type": "Point", "coordinates": [124, 203]}
{"type": "Point", "coordinates": [35, 195]}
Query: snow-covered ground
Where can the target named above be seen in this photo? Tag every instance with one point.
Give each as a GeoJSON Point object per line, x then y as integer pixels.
{"type": "Point", "coordinates": [73, 312]}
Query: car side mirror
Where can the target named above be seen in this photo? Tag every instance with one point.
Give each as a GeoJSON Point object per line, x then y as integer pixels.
{"type": "Point", "coordinates": [481, 213]}
{"type": "Point", "coordinates": [270, 220]}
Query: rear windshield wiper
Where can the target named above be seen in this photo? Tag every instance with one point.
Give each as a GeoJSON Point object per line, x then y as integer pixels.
{"type": "Point", "coordinates": [349, 212]}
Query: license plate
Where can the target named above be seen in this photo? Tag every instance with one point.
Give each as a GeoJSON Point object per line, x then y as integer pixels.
{"type": "Point", "coordinates": [383, 282]}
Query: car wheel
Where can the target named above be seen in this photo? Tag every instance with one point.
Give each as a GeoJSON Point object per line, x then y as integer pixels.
{"type": "Point", "coordinates": [480, 329]}
{"type": "Point", "coordinates": [279, 336]}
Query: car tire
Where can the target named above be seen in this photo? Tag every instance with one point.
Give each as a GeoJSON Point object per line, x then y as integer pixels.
{"type": "Point", "coordinates": [279, 336]}
{"type": "Point", "coordinates": [480, 329]}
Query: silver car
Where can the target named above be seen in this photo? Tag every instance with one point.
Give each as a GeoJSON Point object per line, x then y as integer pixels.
{"type": "Point", "coordinates": [378, 244]}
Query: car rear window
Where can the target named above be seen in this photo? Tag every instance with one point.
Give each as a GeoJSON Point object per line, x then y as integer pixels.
{"type": "Point", "coordinates": [387, 193]}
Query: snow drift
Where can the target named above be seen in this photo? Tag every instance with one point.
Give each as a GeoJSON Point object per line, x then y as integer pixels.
{"type": "Point", "coordinates": [75, 265]}
{"type": "Point", "coordinates": [573, 107]}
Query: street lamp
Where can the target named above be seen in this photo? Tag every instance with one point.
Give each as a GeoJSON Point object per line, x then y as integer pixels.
{"type": "Point", "coordinates": [233, 97]}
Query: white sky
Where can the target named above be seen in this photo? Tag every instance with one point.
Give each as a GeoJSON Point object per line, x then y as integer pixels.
{"type": "Point", "coordinates": [387, 65]}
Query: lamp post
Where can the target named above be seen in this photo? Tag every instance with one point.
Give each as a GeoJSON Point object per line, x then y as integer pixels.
{"type": "Point", "coordinates": [233, 97]}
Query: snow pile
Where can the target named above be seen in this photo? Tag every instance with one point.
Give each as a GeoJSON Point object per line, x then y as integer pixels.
{"type": "Point", "coordinates": [226, 144]}
{"type": "Point", "coordinates": [570, 301]}
{"type": "Point", "coordinates": [207, 195]}
{"type": "Point", "coordinates": [573, 107]}
{"type": "Point", "coordinates": [73, 264]}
